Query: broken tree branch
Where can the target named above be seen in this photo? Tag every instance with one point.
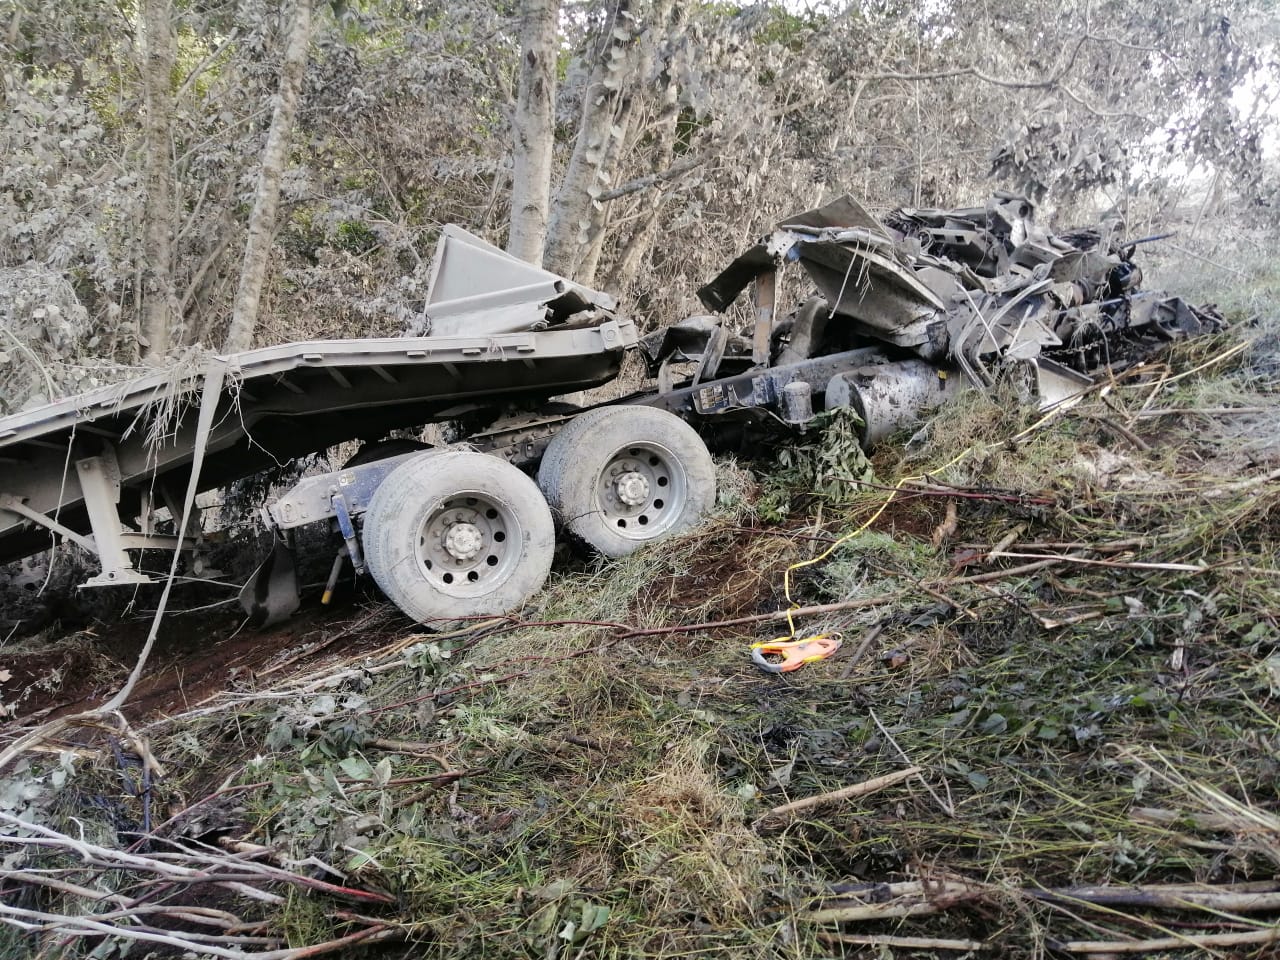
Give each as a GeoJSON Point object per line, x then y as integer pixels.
{"type": "Point", "coordinates": [879, 901]}
{"type": "Point", "coordinates": [1168, 897]}
{"type": "Point", "coordinates": [1270, 934]}
{"type": "Point", "coordinates": [907, 943]}
{"type": "Point", "coordinates": [211, 392]}
{"type": "Point", "coordinates": [865, 788]}
{"type": "Point", "coordinates": [1198, 412]}
{"type": "Point", "coordinates": [947, 806]}
{"type": "Point", "coordinates": [673, 172]}
{"type": "Point", "coordinates": [910, 898]}
{"type": "Point", "coordinates": [1117, 564]}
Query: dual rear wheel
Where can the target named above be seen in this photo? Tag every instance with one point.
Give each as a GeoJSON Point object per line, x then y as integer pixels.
{"type": "Point", "coordinates": [618, 478]}
{"type": "Point", "coordinates": [456, 534]}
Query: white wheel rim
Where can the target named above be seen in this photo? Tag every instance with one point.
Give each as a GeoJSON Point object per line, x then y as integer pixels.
{"type": "Point", "coordinates": [642, 490]}
{"type": "Point", "coordinates": [468, 544]}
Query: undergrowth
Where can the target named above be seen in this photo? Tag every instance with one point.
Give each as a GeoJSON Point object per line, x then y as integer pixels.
{"type": "Point", "coordinates": [580, 784]}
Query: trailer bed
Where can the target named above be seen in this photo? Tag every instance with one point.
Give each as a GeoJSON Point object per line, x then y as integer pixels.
{"type": "Point", "coordinates": [278, 403]}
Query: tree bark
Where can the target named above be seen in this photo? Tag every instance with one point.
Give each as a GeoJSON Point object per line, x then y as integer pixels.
{"type": "Point", "coordinates": [636, 248]}
{"type": "Point", "coordinates": [588, 252]}
{"type": "Point", "coordinates": [591, 163]}
{"type": "Point", "coordinates": [262, 220]}
{"type": "Point", "coordinates": [578, 216]}
{"type": "Point", "coordinates": [159, 301]}
{"type": "Point", "coordinates": [533, 130]}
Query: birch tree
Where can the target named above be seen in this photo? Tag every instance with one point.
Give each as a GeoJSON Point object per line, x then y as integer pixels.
{"type": "Point", "coordinates": [533, 129]}
{"type": "Point", "coordinates": [618, 83]}
{"type": "Point", "coordinates": [262, 220]}
{"type": "Point", "coordinates": [159, 301]}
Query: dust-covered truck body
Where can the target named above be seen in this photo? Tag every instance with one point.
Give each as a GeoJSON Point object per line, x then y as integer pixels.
{"type": "Point", "coordinates": [907, 312]}
{"type": "Point", "coordinates": [108, 469]}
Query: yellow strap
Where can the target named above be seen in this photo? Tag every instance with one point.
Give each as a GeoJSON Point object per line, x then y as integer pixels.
{"type": "Point", "coordinates": [897, 488]}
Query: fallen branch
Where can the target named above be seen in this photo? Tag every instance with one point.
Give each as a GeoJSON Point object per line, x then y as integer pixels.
{"type": "Point", "coordinates": [1116, 564]}
{"type": "Point", "coordinates": [1211, 822]}
{"type": "Point", "coordinates": [90, 926]}
{"type": "Point", "coordinates": [1198, 411]}
{"type": "Point", "coordinates": [1104, 547]}
{"type": "Point", "coordinates": [911, 898]}
{"type": "Point", "coordinates": [1241, 486]}
{"type": "Point", "coordinates": [877, 911]}
{"type": "Point", "coordinates": [992, 575]}
{"type": "Point", "coordinates": [907, 943]}
{"type": "Point", "coordinates": [1168, 897]}
{"type": "Point", "coordinates": [923, 587]}
{"type": "Point", "coordinates": [1121, 431]}
{"type": "Point", "coordinates": [863, 647]}
{"type": "Point", "coordinates": [923, 489]}
{"type": "Point", "coordinates": [1269, 934]}
{"type": "Point", "coordinates": [865, 788]}
{"type": "Point", "coordinates": [87, 926]}
{"type": "Point", "coordinates": [141, 919]}
{"type": "Point", "coordinates": [947, 806]}
{"type": "Point", "coordinates": [162, 863]}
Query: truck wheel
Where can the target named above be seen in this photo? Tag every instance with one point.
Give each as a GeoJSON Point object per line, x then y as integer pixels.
{"type": "Point", "coordinates": [456, 534]}
{"type": "Point", "coordinates": [618, 478]}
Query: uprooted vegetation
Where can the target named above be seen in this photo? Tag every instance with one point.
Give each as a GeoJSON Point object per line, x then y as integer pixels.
{"type": "Point", "coordinates": [1066, 621]}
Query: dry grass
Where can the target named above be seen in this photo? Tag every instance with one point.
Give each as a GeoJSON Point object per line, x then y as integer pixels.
{"type": "Point", "coordinates": [619, 784]}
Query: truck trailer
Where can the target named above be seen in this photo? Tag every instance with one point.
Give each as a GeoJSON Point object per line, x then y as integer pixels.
{"type": "Point", "coordinates": [906, 313]}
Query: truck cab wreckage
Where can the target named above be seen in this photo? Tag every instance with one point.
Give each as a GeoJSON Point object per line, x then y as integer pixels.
{"type": "Point", "coordinates": [908, 312]}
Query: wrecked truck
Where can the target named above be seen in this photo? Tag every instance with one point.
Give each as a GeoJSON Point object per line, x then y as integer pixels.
{"type": "Point", "coordinates": [905, 313]}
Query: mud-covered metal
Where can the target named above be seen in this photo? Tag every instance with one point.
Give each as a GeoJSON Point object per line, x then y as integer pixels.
{"type": "Point", "coordinates": [506, 336]}
{"type": "Point", "coordinates": [972, 286]}
{"type": "Point", "coordinates": [970, 292]}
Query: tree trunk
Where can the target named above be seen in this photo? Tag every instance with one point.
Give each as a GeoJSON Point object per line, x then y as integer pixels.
{"type": "Point", "coordinates": [533, 130]}
{"type": "Point", "coordinates": [636, 248]}
{"type": "Point", "coordinates": [591, 240]}
{"type": "Point", "coordinates": [577, 217]}
{"type": "Point", "coordinates": [262, 220]}
{"type": "Point", "coordinates": [588, 172]}
{"type": "Point", "coordinates": [159, 302]}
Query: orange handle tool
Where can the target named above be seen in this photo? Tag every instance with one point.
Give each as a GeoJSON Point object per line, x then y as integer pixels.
{"type": "Point", "coordinates": [795, 653]}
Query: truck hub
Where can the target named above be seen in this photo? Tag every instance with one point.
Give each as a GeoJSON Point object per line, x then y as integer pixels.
{"type": "Point", "coordinates": [463, 540]}
{"type": "Point", "coordinates": [631, 488]}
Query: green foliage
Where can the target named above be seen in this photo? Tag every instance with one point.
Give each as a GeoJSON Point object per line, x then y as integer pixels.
{"type": "Point", "coordinates": [827, 462]}
{"type": "Point", "coordinates": [303, 920]}
{"type": "Point", "coordinates": [355, 237]}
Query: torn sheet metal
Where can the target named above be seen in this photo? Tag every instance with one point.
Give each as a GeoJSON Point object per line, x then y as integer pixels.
{"type": "Point", "coordinates": [975, 289]}
{"type": "Point", "coordinates": [478, 289]}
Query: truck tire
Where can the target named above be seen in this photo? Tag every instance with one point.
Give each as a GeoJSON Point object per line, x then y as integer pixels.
{"type": "Point", "coordinates": [454, 534]}
{"type": "Point", "coordinates": [618, 478]}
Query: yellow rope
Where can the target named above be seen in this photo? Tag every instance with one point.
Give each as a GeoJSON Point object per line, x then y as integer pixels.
{"type": "Point", "coordinates": [897, 488]}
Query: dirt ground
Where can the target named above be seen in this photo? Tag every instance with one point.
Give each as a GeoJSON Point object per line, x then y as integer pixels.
{"type": "Point", "coordinates": [735, 572]}
{"type": "Point", "coordinates": [197, 656]}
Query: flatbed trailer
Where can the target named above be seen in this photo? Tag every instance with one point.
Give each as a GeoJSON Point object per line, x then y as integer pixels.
{"type": "Point", "coordinates": [466, 530]}
{"type": "Point", "coordinates": [130, 447]}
